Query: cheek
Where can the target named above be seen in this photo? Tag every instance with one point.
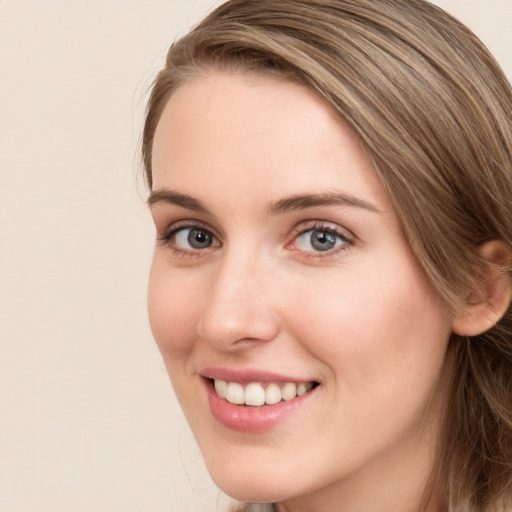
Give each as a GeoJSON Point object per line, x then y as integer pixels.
{"type": "Point", "coordinates": [173, 308]}
{"type": "Point", "coordinates": [375, 326]}
{"type": "Point", "coordinates": [383, 343]}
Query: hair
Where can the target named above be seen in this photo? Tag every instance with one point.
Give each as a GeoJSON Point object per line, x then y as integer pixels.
{"type": "Point", "coordinates": [433, 111]}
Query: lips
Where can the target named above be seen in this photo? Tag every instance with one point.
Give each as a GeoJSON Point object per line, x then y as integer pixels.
{"type": "Point", "coordinates": [252, 401]}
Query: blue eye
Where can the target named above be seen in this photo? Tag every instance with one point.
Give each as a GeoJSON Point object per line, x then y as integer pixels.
{"type": "Point", "coordinates": [319, 240]}
{"type": "Point", "coordinates": [194, 238]}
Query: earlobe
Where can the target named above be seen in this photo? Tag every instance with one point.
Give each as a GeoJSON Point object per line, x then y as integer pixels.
{"type": "Point", "coordinates": [488, 302]}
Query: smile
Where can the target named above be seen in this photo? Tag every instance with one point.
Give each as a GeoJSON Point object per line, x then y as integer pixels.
{"type": "Point", "coordinates": [251, 400]}
{"type": "Point", "coordinates": [256, 394]}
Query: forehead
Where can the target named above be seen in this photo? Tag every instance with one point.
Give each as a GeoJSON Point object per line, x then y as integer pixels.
{"type": "Point", "coordinates": [232, 131]}
{"type": "Point", "coordinates": [244, 106]}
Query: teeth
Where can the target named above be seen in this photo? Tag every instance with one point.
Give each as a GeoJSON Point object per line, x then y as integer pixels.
{"type": "Point", "coordinates": [221, 386]}
{"type": "Point", "coordinates": [289, 391]}
{"type": "Point", "coordinates": [273, 394]}
{"type": "Point", "coordinates": [235, 393]}
{"type": "Point", "coordinates": [256, 395]}
{"type": "Point", "coordinates": [302, 389]}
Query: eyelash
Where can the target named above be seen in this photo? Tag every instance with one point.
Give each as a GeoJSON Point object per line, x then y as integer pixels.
{"type": "Point", "coordinates": [347, 240]}
{"type": "Point", "coordinates": [169, 237]}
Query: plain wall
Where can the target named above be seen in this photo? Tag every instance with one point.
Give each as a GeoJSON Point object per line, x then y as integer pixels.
{"type": "Point", "coordinates": [88, 420]}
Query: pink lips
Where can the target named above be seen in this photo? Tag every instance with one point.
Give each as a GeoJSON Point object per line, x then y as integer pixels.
{"type": "Point", "coordinates": [246, 418]}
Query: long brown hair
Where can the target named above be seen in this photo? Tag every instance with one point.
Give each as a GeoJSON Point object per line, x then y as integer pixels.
{"type": "Point", "coordinates": [434, 111]}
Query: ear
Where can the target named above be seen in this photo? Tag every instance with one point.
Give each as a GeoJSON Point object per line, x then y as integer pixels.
{"type": "Point", "coordinates": [485, 306]}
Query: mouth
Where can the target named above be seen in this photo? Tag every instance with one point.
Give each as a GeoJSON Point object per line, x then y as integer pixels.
{"type": "Point", "coordinates": [252, 401]}
{"type": "Point", "coordinates": [258, 394]}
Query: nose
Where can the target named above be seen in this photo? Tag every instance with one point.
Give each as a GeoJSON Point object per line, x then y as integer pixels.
{"type": "Point", "coordinates": [239, 310]}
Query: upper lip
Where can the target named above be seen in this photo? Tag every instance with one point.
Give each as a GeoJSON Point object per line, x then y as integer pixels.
{"type": "Point", "coordinates": [244, 376]}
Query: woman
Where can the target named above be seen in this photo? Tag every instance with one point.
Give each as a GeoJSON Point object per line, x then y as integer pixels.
{"type": "Point", "coordinates": [331, 184]}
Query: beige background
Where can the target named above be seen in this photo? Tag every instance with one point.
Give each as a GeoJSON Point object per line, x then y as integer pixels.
{"type": "Point", "coordinates": [88, 421]}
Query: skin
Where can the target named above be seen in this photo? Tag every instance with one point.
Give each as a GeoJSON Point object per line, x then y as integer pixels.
{"type": "Point", "coordinates": [359, 319]}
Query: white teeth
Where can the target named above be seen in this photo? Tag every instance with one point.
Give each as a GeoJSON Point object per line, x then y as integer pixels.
{"type": "Point", "coordinates": [289, 391]}
{"type": "Point", "coordinates": [221, 386]}
{"type": "Point", "coordinates": [256, 395]}
{"type": "Point", "coordinates": [272, 394]}
{"type": "Point", "coordinates": [235, 393]}
{"type": "Point", "coordinates": [301, 389]}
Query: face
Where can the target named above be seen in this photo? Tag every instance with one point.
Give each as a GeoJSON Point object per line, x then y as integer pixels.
{"type": "Point", "coordinates": [281, 277]}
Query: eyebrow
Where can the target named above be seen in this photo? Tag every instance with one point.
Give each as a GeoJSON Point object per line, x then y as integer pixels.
{"type": "Point", "coordinates": [285, 205]}
{"type": "Point", "coordinates": [165, 195]}
{"type": "Point", "coordinates": [303, 201]}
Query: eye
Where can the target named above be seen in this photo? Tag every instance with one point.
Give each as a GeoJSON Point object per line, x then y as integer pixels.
{"type": "Point", "coordinates": [321, 239]}
{"type": "Point", "coordinates": [188, 239]}
{"type": "Point", "coordinates": [194, 238]}
{"type": "Point", "coordinates": [318, 240]}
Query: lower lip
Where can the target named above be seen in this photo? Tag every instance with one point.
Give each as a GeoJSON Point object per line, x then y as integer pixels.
{"type": "Point", "coordinates": [252, 419]}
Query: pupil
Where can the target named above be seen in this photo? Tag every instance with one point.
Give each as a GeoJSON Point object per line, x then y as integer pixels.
{"type": "Point", "coordinates": [199, 239]}
{"type": "Point", "coordinates": [323, 240]}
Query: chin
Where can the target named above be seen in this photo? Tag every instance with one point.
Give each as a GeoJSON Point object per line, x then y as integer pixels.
{"type": "Point", "coordinates": [252, 485]}
{"type": "Point", "coordinates": [258, 491]}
